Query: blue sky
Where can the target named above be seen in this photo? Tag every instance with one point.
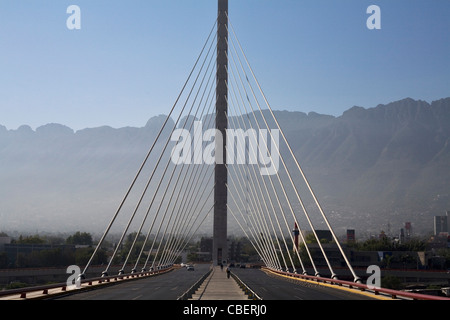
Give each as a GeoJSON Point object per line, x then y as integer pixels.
{"type": "Point", "coordinates": [130, 58]}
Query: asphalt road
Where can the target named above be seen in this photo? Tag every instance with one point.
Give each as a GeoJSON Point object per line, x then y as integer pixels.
{"type": "Point", "coordinates": [167, 286]}
{"type": "Point", "coordinates": [271, 287]}
{"type": "Point", "coordinates": [173, 284]}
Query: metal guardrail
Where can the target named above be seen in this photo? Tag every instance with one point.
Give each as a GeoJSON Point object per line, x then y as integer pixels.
{"type": "Point", "coordinates": [188, 294]}
{"type": "Point", "coordinates": [249, 292]}
{"type": "Point", "coordinates": [394, 294]}
{"type": "Point", "coordinates": [23, 292]}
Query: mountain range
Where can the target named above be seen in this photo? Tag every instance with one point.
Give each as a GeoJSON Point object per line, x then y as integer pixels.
{"type": "Point", "coordinates": [372, 169]}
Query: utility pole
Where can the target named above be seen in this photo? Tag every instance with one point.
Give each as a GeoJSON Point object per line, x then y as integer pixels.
{"type": "Point", "coordinates": [220, 246]}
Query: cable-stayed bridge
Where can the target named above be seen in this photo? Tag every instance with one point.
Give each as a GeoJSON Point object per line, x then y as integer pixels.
{"type": "Point", "coordinates": [221, 158]}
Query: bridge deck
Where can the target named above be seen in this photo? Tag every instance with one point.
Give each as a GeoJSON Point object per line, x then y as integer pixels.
{"type": "Point", "coordinates": [219, 287]}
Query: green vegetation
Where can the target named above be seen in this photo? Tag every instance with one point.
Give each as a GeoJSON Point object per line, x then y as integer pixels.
{"type": "Point", "coordinates": [16, 285]}
{"type": "Point", "coordinates": [29, 240]}
{"type": "Point", "coordinates": [38, 252]}
{"type": "Point", "coordinates": [80, 238]}
{"type": "Point", "coordinates": [445, 253]}
{"type": "Point", "coordinates": [391, 282]}
{"type": "Point", "coordinates": [386, 244]}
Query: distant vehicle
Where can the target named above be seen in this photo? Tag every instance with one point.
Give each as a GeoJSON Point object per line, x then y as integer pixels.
{"type": "Point", "coordinates": [190, 268]}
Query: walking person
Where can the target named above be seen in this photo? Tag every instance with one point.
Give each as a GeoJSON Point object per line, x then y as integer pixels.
{"type": "Point", "coordinates": [228, 272]}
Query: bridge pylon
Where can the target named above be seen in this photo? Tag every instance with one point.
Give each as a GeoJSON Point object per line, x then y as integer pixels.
{"type": "Point", "coordinates": [220, 246]}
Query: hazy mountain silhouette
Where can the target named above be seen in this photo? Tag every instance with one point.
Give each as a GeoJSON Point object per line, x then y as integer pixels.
{"type": "Point", "coordinates": [370, 167]}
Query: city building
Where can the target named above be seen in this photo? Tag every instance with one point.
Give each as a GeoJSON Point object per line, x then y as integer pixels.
{"type": "Point", "coordinates": [351, 236]}
{"type": "Point", "coordinates": [441, 224]}
{"type": "Point", "coordinates": [4, 240]}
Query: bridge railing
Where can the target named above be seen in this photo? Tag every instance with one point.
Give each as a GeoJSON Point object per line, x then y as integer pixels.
{"type": "Point", "coordinates": [46, 291]}
{"type": "Point", "coordinates": [248, 291]}
{"type": "Point", "coordinates": [188, 294]}
{"type": "Point", "coordinates": [394, 294]}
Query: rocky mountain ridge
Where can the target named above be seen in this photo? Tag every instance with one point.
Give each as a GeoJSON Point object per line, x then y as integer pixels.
{"type": "Point", "coordinates": [372, 167]}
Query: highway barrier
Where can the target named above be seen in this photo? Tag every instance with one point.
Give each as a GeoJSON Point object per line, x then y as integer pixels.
{"type": "Point", "coordinates": [188, 294]}
{"type": "Point", "coordinates": [54, 290]}
{"type": "Point", "coordinates": [249, 292]}
{"type": "Point", "coordinates": [394, 294]}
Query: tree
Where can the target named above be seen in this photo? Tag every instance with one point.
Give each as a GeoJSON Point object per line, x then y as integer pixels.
{"type": "Point", "coordinates": [3, 260]}
{"type": "Point", "coordinates": [80, 238]}
{"type": "Point", "coordinates": [30, 240]}
{"type": "Point", "coordinates": [83, 255]}
{"type": "Point", "coordinates": [391, 282]}
{"type": "Point", "coordinates": [386, 244]}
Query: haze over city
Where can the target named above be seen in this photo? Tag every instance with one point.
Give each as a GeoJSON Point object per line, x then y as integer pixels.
{"type": "Point", "coordinates": [126, 63]}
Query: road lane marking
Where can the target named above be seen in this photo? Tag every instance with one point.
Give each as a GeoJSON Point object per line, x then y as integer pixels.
{"type": "Point", "coordinates": [368, 294]}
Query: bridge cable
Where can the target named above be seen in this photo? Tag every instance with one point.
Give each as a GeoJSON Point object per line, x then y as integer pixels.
{"type": "Point", "coordinates": [256, 176]}
{"type": "Point", "coordinates": [184, 142]}
{"type": "Point", "coordinates": [186, 203]}
{"type": "Point", "coordinates": [278, 177]}
{"type": "Point", "coordinates": [261, 221]}
{"type": "Point", "coordinates": [167, 165]}
{"type": "Point", "coordinates": [356, 278]}
{"type": "Point", "coordinates": [287, 171]}
{"type": "Point", "coordinates": [265, 187]}
{"type": "Point", "coordinates": [154, 170]}
{"type": "Point", "coordinates": [146, 158]}
{"type": "Point", "coordinates": [179, 223]}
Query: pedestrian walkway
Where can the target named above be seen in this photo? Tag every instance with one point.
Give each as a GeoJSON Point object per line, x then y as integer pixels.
{"type": "Point", "coordinates": [219, 287]}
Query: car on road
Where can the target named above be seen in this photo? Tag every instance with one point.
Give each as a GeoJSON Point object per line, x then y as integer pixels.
{"type": "Point", "coordinates": [190, 268]}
